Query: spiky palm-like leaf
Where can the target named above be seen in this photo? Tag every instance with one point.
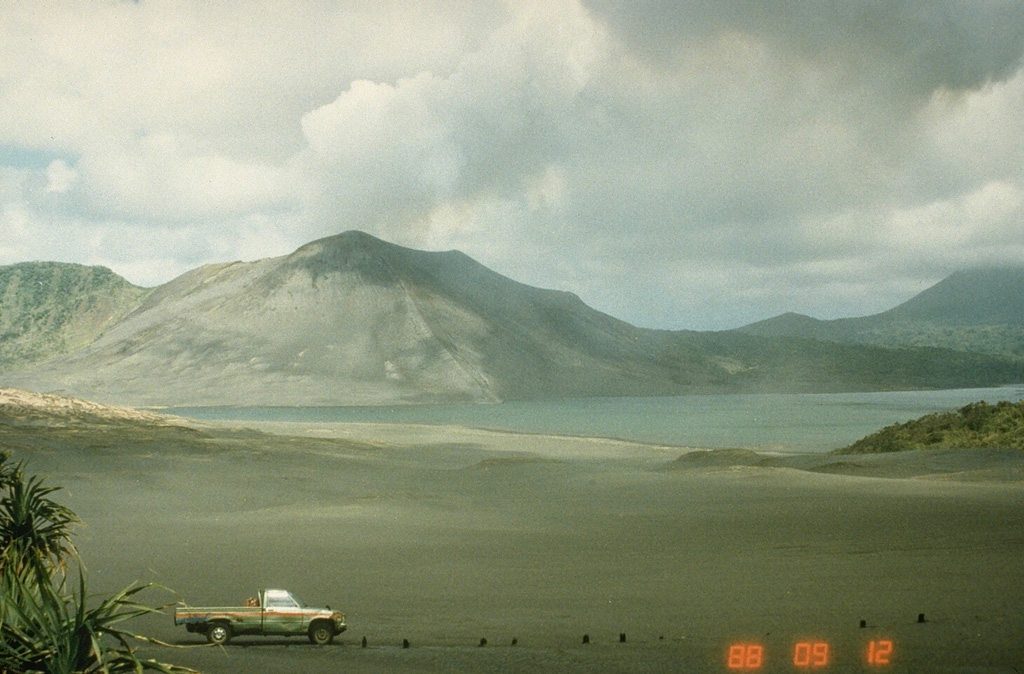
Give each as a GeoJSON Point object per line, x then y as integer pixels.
{"type": "Point", "coordinates": [42, 630]}
{"type": "Point", "coordinates": [33, 527]}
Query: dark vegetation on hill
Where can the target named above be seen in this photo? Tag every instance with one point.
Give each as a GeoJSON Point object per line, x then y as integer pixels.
{"type": "Point", "coordinates": [797, 365]}
{"type": "Point", "coordinates": [50, 308]}
{"type": "Point", "coordinates": [978, 425]}
{"type": "Point", "coordinates": [979, 310]}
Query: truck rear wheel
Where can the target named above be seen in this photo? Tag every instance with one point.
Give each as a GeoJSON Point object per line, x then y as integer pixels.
{"type": "Point", "coordinates": [218, 633]}
{"type": "Point", "coordinates": [321, 633]}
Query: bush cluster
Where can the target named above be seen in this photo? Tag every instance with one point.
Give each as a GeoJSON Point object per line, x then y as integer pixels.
{"type": "Point", "coordinates": [979, 424]}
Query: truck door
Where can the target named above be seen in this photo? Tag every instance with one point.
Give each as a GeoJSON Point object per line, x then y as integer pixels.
{"type": "Point", "coordinates": [281, 613]}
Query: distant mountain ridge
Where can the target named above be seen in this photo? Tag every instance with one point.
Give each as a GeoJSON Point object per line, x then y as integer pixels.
{"type": "Point", "coordinates": [979, 310]}
{"type": "Point", "coordinates": [992, 296]}
{"type": "Point", "coordinates": [353, 320]}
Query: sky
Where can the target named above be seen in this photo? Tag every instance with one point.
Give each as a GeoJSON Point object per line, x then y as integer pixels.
{"type": "Point", "coordinates": [679, 164]}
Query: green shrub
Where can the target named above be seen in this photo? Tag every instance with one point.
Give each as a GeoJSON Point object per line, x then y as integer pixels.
{"type": "Point", "coordinates": [979, 424]}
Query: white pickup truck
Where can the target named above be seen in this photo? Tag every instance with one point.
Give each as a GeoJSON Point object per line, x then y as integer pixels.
{"type": "Point", "coordinates": [272, 613]}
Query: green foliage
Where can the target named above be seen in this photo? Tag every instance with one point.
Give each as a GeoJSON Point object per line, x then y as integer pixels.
{"type": "Point", "coordinates": [811, 365]}
{"type": "Point", "coordinates": [999, 340]}
{"type": "Point", "coordinates": [43, 628]}
{"type": "Point", "coordinates": [45, 631]}
{"type": "Point", "coordinates": [33, 528]}
{"type": "Point", "coordinates": [976, 425]}
{"type": "Point", "coordinates": [51, 308]}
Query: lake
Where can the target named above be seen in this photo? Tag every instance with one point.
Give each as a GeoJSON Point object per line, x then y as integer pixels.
{"type": "Point", "coordinates": [767, 422]}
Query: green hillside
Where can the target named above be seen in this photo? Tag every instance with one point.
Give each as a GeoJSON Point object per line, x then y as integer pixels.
{"type": "Point", "coordinates": [980, 424]}
{"type": "Point", "coordinates": [980, 310]}
{"type": "Point", "coordinates": [997, 340]}
{"type": "Point", "coordinates": [51, 308]}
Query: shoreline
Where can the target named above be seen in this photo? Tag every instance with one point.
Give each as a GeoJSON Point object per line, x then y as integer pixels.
{"type": "Point", "coordinates": [977, 465]}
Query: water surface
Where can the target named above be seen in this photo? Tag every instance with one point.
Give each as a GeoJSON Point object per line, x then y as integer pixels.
{"type": "Point", "coordinates": [785, 422]}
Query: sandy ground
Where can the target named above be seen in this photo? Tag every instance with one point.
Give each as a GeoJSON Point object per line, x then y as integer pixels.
{"type": "Point", "coordinates": [444, 536]}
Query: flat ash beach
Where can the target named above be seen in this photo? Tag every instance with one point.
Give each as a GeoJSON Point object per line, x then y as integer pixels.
{"type": "Point", "coordinates": [445, 536]}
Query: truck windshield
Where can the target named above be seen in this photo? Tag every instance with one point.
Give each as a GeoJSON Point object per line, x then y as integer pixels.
{"type": "Point", "coordinates": [282, 600]}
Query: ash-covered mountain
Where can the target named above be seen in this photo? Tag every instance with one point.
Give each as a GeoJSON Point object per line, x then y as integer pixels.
{"type": "Point", "coordinates": [352, 320]}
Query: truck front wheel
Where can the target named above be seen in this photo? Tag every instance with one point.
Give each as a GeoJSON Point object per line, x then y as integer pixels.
{"type": "Point", "coordinates": [218, 633]}
{"type": "Point", "coordinates": [321, 633]}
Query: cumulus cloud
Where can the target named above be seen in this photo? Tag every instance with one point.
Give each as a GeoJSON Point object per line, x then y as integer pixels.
{"type": "Point", "coordinates": [677, 164]}
{"type": "Point", "coordinates": [389, 153]}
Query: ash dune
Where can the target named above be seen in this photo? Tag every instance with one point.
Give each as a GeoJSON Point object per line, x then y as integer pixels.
{"type": "Point", "coordinates": [28, 406]}
{"type": "Point", "coordinates": [352, 320]}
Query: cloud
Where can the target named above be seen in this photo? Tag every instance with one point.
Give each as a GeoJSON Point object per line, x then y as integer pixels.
{"type": "Point", "coordinates": [154, 178]}
{"type": "Point", "coordinates": [907, 48]}
{"type": "Point", "coordinates": [59, 176]}
{"type": "Point", "coordinates": [390, 152]}
{"type": "Point", "coordinates": [14, 228]}
{"type": "Point", "coordinates": [975, 137]}
{"type": "Point", "coordinates": [984, 223]}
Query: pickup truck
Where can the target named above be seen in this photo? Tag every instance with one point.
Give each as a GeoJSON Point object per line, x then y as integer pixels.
{"type": "Point", "coordinates": [273, 613]}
